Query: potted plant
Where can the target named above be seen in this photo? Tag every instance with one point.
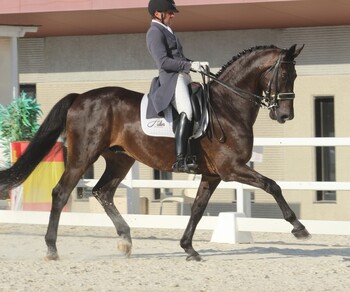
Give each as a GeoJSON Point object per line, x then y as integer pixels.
{"type": "Point", "coordinates": [18, 122]}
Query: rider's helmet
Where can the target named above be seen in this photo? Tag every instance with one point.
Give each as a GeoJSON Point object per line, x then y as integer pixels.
{"type": "Point", "coordinates": [161, 6]}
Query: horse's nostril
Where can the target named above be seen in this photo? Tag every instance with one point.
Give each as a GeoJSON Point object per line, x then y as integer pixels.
{"type": "Point", "coordinates": [285, 117]}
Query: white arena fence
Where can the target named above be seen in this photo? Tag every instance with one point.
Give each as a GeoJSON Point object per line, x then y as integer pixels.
{"type": "Point", "coordinates": [230, 227]}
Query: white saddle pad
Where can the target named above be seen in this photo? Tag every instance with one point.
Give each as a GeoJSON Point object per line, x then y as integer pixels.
{"type": "Point", "coordinates": [158, 127]}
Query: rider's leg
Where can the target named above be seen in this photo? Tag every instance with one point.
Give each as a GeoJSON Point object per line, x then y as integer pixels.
{"type": "Point", "coordinates": [182, 133]}
{"type": "Point", "coordinates": [183, 130]}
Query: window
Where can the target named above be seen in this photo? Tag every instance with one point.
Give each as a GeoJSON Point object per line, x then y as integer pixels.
{"type": "Point", "coordinates": [83, 193]}
{"type": "Point", "coordinates": [325, 156]}
{"type": "Point", "coordinates": [162, 175]}
{"type": "Point", "coordinates": [29, 89]}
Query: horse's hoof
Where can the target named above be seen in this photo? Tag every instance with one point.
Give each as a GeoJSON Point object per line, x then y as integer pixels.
{"type": "Point", "coordinates": [301, 234]}
{"type": "Point", "coordinates": [194, 257]}
{"type": "Point", "coordinates": [124, 246]}
{"type": "Point", "coordinates": [51, 257]}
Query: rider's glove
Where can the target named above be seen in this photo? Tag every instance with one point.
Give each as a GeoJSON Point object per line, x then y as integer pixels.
{"type": "Point", "coordinates": [198, 66]}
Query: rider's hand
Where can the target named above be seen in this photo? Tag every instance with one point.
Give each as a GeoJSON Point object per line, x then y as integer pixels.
{"type": "Point", "coordinates": [198, 66]}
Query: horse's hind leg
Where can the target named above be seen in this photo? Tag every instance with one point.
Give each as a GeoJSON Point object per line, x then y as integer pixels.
{"type": "Point", "coordinates": [205, 190]}
{"type": "Point", "coordinates": [60, 195]}
{"type": "Point", "coordinates": [249, 176]}
{"type": "Point", "coordinates": [117, 166]}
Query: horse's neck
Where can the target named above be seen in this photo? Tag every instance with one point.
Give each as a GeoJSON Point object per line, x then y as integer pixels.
{"type": "Point", "coordinates": [244, 75]}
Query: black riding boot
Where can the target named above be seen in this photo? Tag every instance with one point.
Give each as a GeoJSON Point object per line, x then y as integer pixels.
{"type": "Point", "coordinates": [183, 162]}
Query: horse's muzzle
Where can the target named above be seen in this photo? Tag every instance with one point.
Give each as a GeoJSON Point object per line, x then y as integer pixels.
{"type": "Point", "coordinates": [282, 114]}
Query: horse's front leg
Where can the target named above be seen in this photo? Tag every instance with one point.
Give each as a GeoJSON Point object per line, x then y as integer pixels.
{"type": "Point", "coordinates": [249, 176]}
{"type": "Point", "coordinates": [205, 190]}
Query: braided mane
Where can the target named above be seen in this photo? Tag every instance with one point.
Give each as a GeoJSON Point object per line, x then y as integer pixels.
{"type": "Point", "coordinates": [235, 58]}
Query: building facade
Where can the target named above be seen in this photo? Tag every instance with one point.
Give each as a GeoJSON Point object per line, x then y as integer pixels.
{"type": "Point", "coordinates": [65, 56]}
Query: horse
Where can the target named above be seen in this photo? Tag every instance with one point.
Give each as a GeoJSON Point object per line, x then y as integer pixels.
{"type": "Point", "coordinates": [106, 122]}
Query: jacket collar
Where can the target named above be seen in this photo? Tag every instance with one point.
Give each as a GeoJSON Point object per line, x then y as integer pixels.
{"type": "Point", "coordinates": [163, 29]}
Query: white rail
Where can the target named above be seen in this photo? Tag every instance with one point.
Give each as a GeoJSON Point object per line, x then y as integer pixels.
{"type": "Point", "coordinates": [335, 141]}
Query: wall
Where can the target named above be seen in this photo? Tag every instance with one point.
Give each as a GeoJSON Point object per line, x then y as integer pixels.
{"type": "Point", "coordinates": [62, 65]}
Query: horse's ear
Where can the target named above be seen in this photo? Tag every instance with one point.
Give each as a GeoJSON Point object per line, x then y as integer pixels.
{"type": "Point", "coordinates": [293, 52]}
{"type": "Point", "coordinates": [297, 51]}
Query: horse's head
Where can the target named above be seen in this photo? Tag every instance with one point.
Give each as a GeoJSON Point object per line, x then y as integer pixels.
{"type": "Point", "coordinates": [278, 84]}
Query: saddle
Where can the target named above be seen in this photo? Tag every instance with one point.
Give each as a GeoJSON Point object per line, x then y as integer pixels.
{"type": "Point", "coordinates": [200, 113]}
{"type": "Point", "coordinates": [165, 126]}
{"type": "Point", "coordinates": [200, 109]}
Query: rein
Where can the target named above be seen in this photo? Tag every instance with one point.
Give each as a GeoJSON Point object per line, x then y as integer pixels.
{"type": "Point", "coordinates": [258, 100]}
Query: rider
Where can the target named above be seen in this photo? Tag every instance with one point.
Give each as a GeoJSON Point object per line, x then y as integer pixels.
{"type": "Point", "coordinates": [171, 86]}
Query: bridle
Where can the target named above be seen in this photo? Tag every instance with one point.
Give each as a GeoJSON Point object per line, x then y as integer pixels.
{"type": "Point", "coordinates": [267, 100]}
{"type": "Point", "coordinates": [272, 100]}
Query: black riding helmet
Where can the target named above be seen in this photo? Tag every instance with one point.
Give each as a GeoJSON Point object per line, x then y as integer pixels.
{"type": "Point", "coordinates": [161, 6]}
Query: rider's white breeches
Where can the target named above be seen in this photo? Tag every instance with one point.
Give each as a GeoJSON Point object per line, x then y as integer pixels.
{"type": "Point", "coordinates": [181, 101]}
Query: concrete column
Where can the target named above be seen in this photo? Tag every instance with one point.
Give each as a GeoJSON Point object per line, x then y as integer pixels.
{"type": "Point", "coordinates": [14, 67]}
{"type": "Point", "coordinates": [5, 71]}
{"type": "Point", "coordinates": [9, 60]}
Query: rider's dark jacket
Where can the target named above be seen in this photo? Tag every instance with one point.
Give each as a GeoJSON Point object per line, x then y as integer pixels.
{"type": "Point", "coordinates": [166, 50]}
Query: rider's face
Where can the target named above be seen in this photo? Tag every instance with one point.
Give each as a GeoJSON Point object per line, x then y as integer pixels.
{"type": "Point", "coordinates": [168, 17]}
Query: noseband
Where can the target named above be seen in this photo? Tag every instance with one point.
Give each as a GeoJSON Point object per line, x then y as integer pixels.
{"type": "Point", "coordinates": [272, 99]}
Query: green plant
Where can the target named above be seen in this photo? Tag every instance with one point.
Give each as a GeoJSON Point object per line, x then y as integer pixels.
{"type": "Point", "coordinates": [18, 122]}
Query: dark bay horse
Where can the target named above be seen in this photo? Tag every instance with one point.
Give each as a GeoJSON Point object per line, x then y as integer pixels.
{"type": "Point", "coordinates": [106, 121]}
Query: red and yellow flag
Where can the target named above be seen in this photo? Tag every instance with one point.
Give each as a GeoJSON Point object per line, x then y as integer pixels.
{"type": "Point", "coordinates": [37, 188]}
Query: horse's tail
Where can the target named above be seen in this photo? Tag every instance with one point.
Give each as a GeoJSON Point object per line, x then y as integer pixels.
{"type": "Point", "coordinates": [44, 140]}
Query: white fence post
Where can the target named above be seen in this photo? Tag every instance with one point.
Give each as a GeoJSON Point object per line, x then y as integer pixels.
{"type": "Point", "coordinates": [243, 201]}
{"type": "Point", "coordinates": [132, 194]}
{"type": "Point", "coordinates": [226, 230]}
